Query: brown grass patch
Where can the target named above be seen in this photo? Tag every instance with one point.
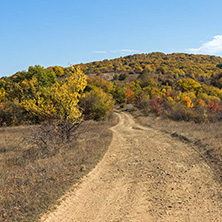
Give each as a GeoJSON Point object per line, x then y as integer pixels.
{"type": "Point", "coordinates": [205, 138]}
{"type": "Point", "coordinates": [30, 185]}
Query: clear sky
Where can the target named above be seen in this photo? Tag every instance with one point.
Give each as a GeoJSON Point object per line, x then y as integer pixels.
{"type": "Point", "coordinates": [59, 32]}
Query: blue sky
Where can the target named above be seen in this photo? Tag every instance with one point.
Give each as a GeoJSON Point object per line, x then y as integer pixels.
{"type": "Point", "coordinates": [59, 32]}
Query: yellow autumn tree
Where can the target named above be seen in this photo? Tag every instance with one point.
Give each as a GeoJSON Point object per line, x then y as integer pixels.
{"type": "Point", "coordinates": [60, 102]}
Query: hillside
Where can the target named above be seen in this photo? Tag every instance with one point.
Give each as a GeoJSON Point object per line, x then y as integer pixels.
{"type": "Point", "coordinates": [173, 65]}
{"type": "Point", "coordinates": [179, 86]}
{"type": "Point", "coordinates": [176, 64]}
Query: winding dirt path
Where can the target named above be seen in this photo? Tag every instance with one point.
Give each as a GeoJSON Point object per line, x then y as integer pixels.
{"type": "Point", "coordinates": [146, 175]}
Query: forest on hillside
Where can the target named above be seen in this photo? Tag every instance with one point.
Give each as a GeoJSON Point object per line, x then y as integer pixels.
{"type": "Point", "coordinates": [177, 86]}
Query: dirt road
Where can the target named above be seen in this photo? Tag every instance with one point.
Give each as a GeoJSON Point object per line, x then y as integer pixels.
{"type": "Point", "coordinates": [146, 175]}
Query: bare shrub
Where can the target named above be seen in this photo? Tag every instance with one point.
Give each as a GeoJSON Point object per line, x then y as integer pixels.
{"type": "Point", "coordinates": [47, 139]}
{"type": "Point", "coordinates": [144, 105]}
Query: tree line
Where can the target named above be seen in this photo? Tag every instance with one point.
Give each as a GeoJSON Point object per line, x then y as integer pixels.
{"type": "Point", "coordinates": [178, 86]}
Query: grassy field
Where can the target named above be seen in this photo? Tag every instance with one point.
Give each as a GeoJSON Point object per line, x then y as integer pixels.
{"type": "Point", "coordinates": [31, 183]}
{"type": "Point", "coordinates": [205, 138]}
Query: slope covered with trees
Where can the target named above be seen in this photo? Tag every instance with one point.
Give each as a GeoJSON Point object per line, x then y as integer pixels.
{"type": "Point", "coordinates": [179, 86]}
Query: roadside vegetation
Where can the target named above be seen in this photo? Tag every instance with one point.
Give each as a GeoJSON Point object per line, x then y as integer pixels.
{"type": "Point", "coordinates": [178, 86]}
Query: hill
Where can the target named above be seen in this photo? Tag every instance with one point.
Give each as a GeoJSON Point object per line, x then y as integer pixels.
{"type": "Point", "coordinates": [177, 64]}
{"type": "Point", "coordinates": [184, 65]}
{"type": "Point", "coordinates": [180, 86]}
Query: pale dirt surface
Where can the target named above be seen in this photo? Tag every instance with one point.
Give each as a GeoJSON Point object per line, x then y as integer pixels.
{"type": "Point", "coordinates": [145, 175]}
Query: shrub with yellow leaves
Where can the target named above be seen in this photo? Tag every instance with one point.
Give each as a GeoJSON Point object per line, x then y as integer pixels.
{"type": "Point", "coordinates": [187, 102]}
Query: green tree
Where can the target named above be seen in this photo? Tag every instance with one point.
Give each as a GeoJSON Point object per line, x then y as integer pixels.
{"type": "Point", "coordinates": [45, 77]}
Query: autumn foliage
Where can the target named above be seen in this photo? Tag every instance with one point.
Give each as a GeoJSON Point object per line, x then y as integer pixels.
{"type": "Point", "coordinates": [214, 106]}
{"type": "Point", "coordinates": [155, 82]}
{"type": "Point", "coordinates": [96, 104]}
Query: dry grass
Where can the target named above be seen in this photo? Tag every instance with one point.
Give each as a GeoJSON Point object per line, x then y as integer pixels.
{"type": "Point", "coordinates": [205, 138]}
{"type": "Point", "coordinates": [30, 185]}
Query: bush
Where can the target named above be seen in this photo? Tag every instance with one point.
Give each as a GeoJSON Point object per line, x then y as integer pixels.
{"type": "Point", "coordinates": [96, 104]}
{"type": "Point", "coordinates": [115, 77]}
{"type": "Point", "coordinates": [99, 82]}
{"type": "Point", "coordinates": [119, 94]}
{"type": "Point", "coordinates": [147, 79]}
{"type": "Point", "coordinates": [157, 105]}
{"type": "Point", "coordinates": [179, 112]}
{"type": "Point", "coordinates": [123, 76]}
{"type": "Point", "coordinates": [12, 114]}
{"type": "Point", "coordinates": [187, 85]}
{"type": "Point", "coordinates": [144, 105]}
